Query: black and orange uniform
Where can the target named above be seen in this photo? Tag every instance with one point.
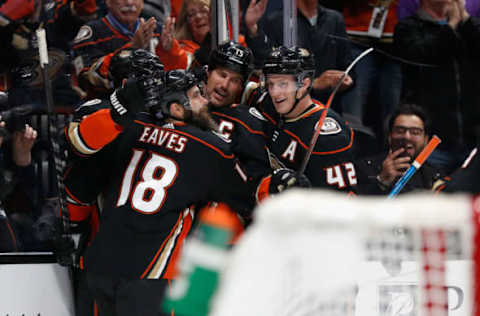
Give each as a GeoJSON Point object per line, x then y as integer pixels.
{"type": "Point", "coordinates": [465, 179]}
{"type": "Point", "coordinates": [244, 126]}
{"type": "Point", "coordinates": [155, 173]}
{"type": "Point", "coordinates": [94, 47]}
{"type": "Point", "coordinates": [331, 163]}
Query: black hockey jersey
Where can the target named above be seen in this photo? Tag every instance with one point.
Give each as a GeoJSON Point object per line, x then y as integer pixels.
{"type": "Point", "coordinates": [331, 164]}
{"type": "Point", "coordinates": [244, 126]}
{"type": "Point", "coordinates": [155, 174]}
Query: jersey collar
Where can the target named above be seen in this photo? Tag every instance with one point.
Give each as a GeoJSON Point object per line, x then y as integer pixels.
{"type": "Point", "coordinates": [314, 107]}
{"type": "Point", "coordinates": [121, 27]}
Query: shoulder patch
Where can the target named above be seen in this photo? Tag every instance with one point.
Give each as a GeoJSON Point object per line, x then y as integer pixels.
{"type": "Point", "coordinates": [84, 33]}
{"type": "Point", "coordinates": [253, 111]}
{"type": "Point", "coordinates": [222, 137]}
{"type": "Point", "coordinates": [330, 127]}
{"type": "Point", "coordinates": [90, 103]}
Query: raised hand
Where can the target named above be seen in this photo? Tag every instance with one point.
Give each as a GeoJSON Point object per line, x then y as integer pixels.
{"type": "Point", "coordinates": [253, 14]}
{"type": "Point", "coordinates": [330, 78]}
{"type": "Point", "coordinates": [22, 143]}
{"type": "Point", "coordinates": [166, 39]}
{"type": "Point", "coordinates": [394, 166]}
{"type": "Point", "coordinates": [454, 14]}
{"type": "Point", "coordinates": [144, 33]}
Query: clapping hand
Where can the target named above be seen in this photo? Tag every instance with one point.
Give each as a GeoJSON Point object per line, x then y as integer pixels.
{"type": "Point", "coordinates": [144, 33]}
{"type": "Point", "coordinates": [168, 34]}
{"type": "Point", "coordinates": [253, 14]}
{"type": "Point", "coordinates": [22, 143]}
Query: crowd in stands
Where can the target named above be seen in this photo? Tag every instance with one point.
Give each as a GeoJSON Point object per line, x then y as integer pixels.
{"type": "Point", "coordinates": [420, 80]}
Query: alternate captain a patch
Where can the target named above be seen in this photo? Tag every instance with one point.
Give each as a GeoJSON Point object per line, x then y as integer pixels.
{"type": "Point", "coordinates": [330, 127]}
{"type": "Point", "coordinates": [84, 33]}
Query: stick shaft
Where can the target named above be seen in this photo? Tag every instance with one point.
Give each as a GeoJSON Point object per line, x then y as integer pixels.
{"type": "Point", "coordinates": [417, 163]}
{"type": "Point", "coordinates": [318, 129]}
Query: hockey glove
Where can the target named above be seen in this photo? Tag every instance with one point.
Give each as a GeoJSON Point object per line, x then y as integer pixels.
{"type": "Point", "coordinates": [279, 181]}
{"type": "Point", "coordinates": [14, 10]}
{"type": "Point", "coordinates": [284, 178]}
{"type": "Point", "coordinates": [126, 102]}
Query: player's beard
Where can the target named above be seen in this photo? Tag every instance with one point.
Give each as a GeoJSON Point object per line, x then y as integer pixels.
{"type": "Point", "coordinates": [201, 119]}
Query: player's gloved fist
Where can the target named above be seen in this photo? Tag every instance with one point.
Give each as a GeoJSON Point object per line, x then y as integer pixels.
{"type": "Point", "coordinates": [13, 10]}
{"type": "Point", "coordinates": [281, 180]}
{"type": "Point", "coordinates": [127, 101]}
{"type": "Point", "coordinates": [284, 178]}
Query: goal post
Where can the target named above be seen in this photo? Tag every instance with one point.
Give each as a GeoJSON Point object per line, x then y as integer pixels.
{"type": "Point", "coordinates": [311, 252]}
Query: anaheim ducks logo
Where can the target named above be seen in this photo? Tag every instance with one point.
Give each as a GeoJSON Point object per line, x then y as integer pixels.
{"type": "Point", "coordinates": [84, 33]}
{"type": "Point", "coordinates": [330, 127]}
{"type": "Point", "coordinates": [254, 112]}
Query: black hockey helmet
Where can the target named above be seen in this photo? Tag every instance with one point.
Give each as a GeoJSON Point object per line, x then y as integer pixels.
{"type": "Point", "coordinates": [233, 56]}
{"type": "Point", "coordinates": [177, 83]}
{"type": "Point", "coordinates": [296, 61]}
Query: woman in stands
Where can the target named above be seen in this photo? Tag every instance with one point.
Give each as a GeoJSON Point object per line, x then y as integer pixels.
{"type": "Point", "coordinates": [180, 41]}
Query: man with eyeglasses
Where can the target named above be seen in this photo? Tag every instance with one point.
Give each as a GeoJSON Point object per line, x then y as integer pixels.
{"type": "Point", "coordinates": [408, 133]}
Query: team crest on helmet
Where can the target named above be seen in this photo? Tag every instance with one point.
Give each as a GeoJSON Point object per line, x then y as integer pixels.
{"type": "Point", "coordinates": [84, 33]}
{"type": "Point", "coordinates": [330, 127]}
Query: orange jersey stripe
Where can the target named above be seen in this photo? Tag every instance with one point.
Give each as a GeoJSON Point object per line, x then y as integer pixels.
{"type": "Point", "coordinates": [159, 251]}
{"type": "Point", "coordinates": [171, 269]}
{"type": "Point", "coordinates": [98, 129]}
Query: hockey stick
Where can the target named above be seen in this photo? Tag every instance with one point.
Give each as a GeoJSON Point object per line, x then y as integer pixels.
{"type": "Point", "coordinates": [289, 23]}
{"type": "Point", "coordinates": [319, 125]}
{"type": "Point", "coordinates": [65, 260]}
{"type": "Point", "coordinates": [232, 11]}
{"type": "Point", "coordinates": [417, 163]}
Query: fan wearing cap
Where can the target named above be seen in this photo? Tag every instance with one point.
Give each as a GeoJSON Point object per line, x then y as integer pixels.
{"type": "Point", "coordinates": [292, 116]}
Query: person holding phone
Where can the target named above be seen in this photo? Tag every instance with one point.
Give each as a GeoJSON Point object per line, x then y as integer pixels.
{"type": "Point", "coordinates": [407, 135]}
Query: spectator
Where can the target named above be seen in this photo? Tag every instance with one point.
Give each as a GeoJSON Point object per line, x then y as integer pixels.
{"type": "Point", "coordinates": [98, 41]}
{"type": "Point", "coordinates": [19, 69]}
{"type": "Point", "coordinates": [442, 33]}
{"type": "Point", "coordinates": [180, 42]}
{"type": "Point", "coordinates": [320, 30]}
{"type": "Point", "coordinates": [408, 133]}
{"type": "Point", "coordinates": [378, 82]}
{"type": "Point", "coordinates": [16, 189]}
{"type": "Point", "coordinates": [408, 8]}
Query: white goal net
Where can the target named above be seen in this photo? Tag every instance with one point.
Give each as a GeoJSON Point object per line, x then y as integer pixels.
{"type": "Point", "coordinates": [319, 253]}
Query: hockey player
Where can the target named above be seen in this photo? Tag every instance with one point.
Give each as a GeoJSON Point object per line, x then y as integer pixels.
{"type": "Point", "coordinates": [149, 187]}
{"type": "Point", "coordinates": [292, 116]}
{"type": "Point", "coordinates": [229, 69]}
